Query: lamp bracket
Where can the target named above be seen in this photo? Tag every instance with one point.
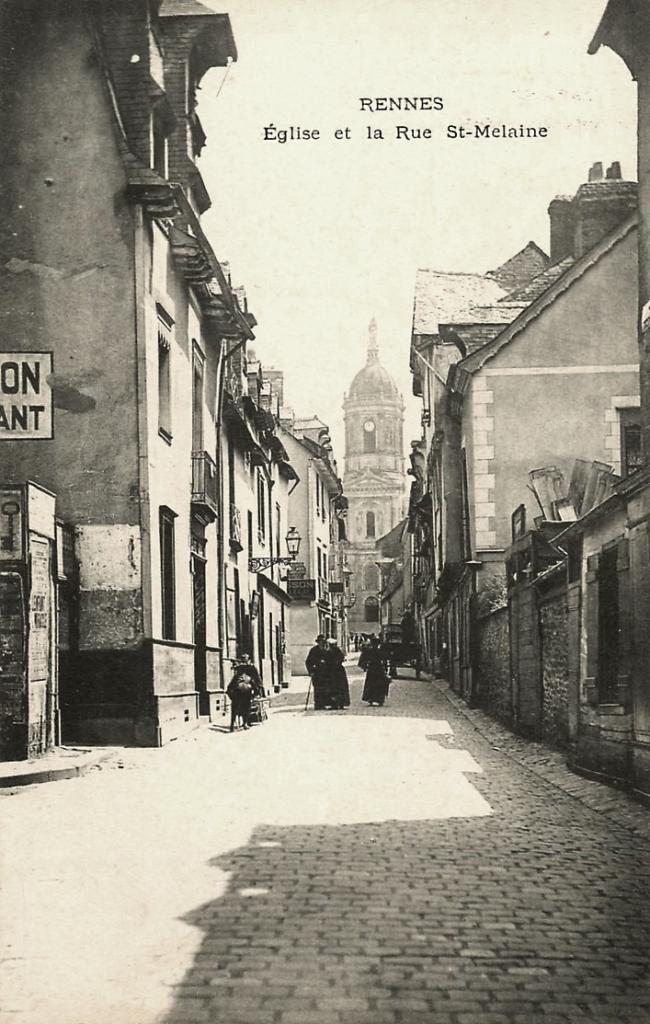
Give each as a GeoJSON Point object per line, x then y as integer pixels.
{"type": "Point", "coordinates": [259, 564]}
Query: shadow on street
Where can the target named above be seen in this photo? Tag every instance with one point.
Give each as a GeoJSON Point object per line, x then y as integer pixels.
{"type": "Point", "coordinates": [419, 921]}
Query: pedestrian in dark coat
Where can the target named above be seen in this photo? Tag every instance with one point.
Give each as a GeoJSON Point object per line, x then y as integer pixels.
{"type": "Point", "coordinates": [338, 677]}
{"type": "Point", "coordinates": [372, 659]}
{"type": "Point", "coordinates": [317, 664]}
{"type": "Point", "coordinates": [246, 668]}
{"type": "Point", "coordinates": [240, 694]}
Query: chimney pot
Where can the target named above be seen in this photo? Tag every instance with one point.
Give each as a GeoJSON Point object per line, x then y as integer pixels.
{"type": "Point", "coordinates": [596, 171]}
{"type": "Point", "coordinates": [614, 171]}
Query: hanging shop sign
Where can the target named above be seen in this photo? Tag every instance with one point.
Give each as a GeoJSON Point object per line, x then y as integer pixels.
{"type": "Point", "coordinates": [296, 571]}
{"type": "Point", "coordinates": [301, 590]}
{"type": "Point", "coordinates": [26, 396]}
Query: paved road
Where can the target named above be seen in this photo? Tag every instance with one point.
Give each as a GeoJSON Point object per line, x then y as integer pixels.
{"type": "Point", "coordinates": [363, 867]}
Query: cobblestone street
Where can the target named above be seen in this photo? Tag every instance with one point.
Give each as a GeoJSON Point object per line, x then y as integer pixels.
{"type": "Point", "coordinates": [362, 867]}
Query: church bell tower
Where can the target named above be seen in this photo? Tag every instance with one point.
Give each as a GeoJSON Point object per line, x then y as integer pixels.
{"type": "Point", "coordinates": [374, 481]}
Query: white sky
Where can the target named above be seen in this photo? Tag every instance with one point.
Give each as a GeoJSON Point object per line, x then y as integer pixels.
{"type": "Point", "coordinates": [326, 234]}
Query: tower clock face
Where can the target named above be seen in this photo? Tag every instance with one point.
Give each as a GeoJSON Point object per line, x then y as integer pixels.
{"type": "Point", "coordinates": [369, 426]}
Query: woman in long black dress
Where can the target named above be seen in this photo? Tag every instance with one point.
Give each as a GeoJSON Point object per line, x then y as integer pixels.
{"type": "Point", "coordinates": [376, 685]}
{"type": "Point", "coordinates": [338, 678]}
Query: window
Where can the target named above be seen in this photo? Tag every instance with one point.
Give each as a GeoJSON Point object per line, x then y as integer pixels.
{"type": "Point", "coordinates": [198, 363]}
{"type": "Point", "coordinates": [167, 573]}
{"type": "Point", "coordinates": [370, 524]}
{"type": "Point", "coordinates": [165, 325]}
{"type": "Point", "coordinates": [608, 625]}
{"type": "Point", "coordinates": [464, 512]}
{"type": "Point", "coordinates": [261, 509]}
{"type": "Point", "coordinates": [369, 436]}
{"type": "Point", "coordinates": [249, 517]}
{"type": "Point", "coordinates": [278, 528]}
{"type": "Point", "coordinates": [630, 441]}
{"type": "Point", "coordinates": [231, 470]}
{"type": "Point", "coordinates": [319, 562]}
{"type": "Point", "coordinates": [371, 577]}
{"type": "Point", "coordinates": [158, 145]}
{"type": "Point", "coordinates": [324, 566]}
{"type": "Point", "coordinates": [574, 560]}
{"type": "Point", "coordinates": [371, 609]}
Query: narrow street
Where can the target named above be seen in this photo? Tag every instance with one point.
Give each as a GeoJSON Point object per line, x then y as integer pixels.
{"type": "Point", "coordinates": [375, 865]}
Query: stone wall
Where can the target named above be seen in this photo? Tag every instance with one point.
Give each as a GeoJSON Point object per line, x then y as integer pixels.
{"type": "Point", "coordinates": [494, 685]}
{"type": "Point", "coordinates": [555, 669]}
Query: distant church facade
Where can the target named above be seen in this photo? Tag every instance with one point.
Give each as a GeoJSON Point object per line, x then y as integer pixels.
{"type": "Point", "coordinates": [374, 481]}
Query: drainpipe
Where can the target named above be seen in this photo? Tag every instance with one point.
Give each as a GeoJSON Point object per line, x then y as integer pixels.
{"type": "Point", "coordinates": [224, 516]}
{"type": "Point", "coordinates": [140, 299]}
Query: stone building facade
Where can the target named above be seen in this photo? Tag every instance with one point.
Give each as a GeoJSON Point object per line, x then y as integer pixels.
{"type": "Point", "coordinates": [106, 269]}
{"type": "Point", "coordinates": [374, 479]}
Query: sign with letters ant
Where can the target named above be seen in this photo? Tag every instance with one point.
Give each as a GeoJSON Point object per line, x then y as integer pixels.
{"type": "Point", "coordinates": [26, 396]}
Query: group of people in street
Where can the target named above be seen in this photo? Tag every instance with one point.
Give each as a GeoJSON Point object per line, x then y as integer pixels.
{"type": "Point", "coordinates": [329, 680]}
{"type": "Point", "coordinates": [325, 665]}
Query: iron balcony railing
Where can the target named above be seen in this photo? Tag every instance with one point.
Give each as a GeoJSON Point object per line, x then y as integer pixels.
{"type": "Point", "coordinates": [204, 482]}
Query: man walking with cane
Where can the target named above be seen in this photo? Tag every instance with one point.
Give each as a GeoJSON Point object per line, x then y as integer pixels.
{"type": "Point", "coordinates": [317, 664]}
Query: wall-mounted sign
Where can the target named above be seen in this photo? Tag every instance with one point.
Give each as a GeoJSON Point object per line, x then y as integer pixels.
{"type": "Point", "coordinates": [336, 588]}
{"type": "Point", "coordinates": [11, 524]}
{"type": "Point", "coordinates": [26, 396]}
{"type": "Point", "coordinates": [301, 590]}
{"type": "Point", "coordinates": [296, 571]}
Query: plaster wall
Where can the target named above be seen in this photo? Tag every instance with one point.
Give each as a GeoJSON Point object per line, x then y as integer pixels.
{"type": "Point", "coordinates": [550, 391]}
{"type": "Point", "coordinates": [170, 462]}
{"type": "Point", "coordinates": [67, 244]}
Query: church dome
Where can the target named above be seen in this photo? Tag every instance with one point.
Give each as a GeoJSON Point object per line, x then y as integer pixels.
{"type": "Point", "coordinates": [373, 381]}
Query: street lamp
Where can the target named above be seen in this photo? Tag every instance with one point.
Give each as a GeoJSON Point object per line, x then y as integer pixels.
{"type": "Point", "coordinates": [292, 540]}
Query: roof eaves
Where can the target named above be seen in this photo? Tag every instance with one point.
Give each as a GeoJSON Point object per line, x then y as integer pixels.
{"type": "Point", "coordinates": [612, 501]}
{"type": "Point", "coordinates": [477, 359]}
{"type": "Point", "coordinates": [619, 29]}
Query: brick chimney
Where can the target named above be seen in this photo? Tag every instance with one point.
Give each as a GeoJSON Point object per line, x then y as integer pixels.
{"type": "Point", "coordinates": [253, 376]}
{"type": "Point", "coordinates": [275, 380]}
{"type": "Point", "coordinates": [577, 223]}
{"type": "Point", "coordinates": [562, 219]}
{"type": "Point", "coordinates": [601, 205]}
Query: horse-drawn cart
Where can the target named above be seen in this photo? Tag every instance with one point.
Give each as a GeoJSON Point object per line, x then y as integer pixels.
{"type": "Point", "coordinates": [400, 651]}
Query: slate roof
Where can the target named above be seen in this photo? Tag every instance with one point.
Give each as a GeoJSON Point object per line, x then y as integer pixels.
{"type": "Point", "coordinates": [390, 544]}
{"type": "Point", "coordinates": [447, 298]}
{"type": "Point", "coordinates": [475, 335]}
{"type": "Point", "coordinates": [520, 268]}
{"type": "Point", "coordinates": [563, 281]}
{"type": "Point", "coordinates": [531, 291]}
{"type": "Point", "coordinates": [184, 8]}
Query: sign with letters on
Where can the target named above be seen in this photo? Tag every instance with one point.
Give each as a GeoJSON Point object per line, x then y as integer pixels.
{"type": "Point", "coordinates": [26, 396]}
{"type": "Point", "coordinates": [302, 590]}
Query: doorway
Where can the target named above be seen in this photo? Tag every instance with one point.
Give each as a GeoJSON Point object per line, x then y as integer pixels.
{"type": "Point", "coordinates": [198, 604]}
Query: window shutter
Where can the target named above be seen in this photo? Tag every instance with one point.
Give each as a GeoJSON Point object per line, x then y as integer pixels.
{"type": "Point", "coordinates": [625, 620]}
{"type": "Point", "coordinates": [591, 626]}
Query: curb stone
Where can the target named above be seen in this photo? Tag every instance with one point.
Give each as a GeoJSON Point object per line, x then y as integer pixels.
{"type": "Point", "coordinates": [551, 766]}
